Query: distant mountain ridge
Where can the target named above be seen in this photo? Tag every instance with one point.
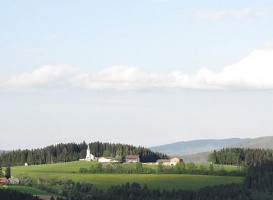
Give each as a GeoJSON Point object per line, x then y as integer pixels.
{"type": "Point", "coordinates": [261, 142]}
{"type": "Point", "coordinates": [196, 146]}
{"type": "Point", "coordinates": [191, 150]}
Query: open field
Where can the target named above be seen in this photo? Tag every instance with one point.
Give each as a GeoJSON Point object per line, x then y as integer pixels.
{"type": "Point", "coordinates": [167, 181]}
{"type": "Point", "coordinates": [73, 167]}
{"type": "Point", "coordinates": [162, 181]}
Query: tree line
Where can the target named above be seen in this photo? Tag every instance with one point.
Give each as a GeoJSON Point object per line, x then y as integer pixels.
{"type": "Point", "coordinates": [260, 176]}
{"type": "Point", "coordinates": [179, 168]}
{"type": "Point", "coordinates": [73, 152]}
{"type": "Point", "coordinates": [239, 156]}
{"type": "Point", "coordinates": [7, 194]}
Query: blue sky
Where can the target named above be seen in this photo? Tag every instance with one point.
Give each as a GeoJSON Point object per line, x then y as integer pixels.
{"type": "Point", "coordinates": [144, 72]}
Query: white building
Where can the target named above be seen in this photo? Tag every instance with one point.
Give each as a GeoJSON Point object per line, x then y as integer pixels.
{"type": "Point", "coordinates": [104, 160]}
{"type": "Point", "coordinates": [169, 162]}
{"type": "Point", "coordinates": [89, 156]}
{"type": "Point", "coordinates": [13, 181]}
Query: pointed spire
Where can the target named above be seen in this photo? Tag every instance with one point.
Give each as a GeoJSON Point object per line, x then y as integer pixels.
{"type": "Point", "coordinates": [88, 147]}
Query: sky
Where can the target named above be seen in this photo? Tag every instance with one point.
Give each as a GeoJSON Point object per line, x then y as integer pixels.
{"type": "Point", "coordinates": [142, 72]}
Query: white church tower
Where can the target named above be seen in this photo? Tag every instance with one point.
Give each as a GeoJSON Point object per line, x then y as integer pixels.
{"type": "Point", "coordinates": [88, 153]}
{"type": "Point", "coordinates": [89, 156]}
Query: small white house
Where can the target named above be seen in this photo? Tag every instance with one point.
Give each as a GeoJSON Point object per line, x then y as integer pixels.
{"type": "Point", "coordinates": [104, 160]}
{"type": "Point", "coordinates": [13, 181]}
{"type": "Point", "coordinates": [26, 164]}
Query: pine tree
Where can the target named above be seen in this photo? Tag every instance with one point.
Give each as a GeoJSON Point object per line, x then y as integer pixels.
{"type": "Point", "coordinates": [8, 172]}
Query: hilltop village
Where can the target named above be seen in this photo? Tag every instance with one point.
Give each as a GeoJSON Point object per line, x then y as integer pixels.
{"type": "Point", "coordinates": [128, 159]}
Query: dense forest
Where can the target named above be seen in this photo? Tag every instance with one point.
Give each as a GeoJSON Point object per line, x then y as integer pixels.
{"type": "Point", "coordinates": [238, 156]}
{"type": "Point", "coordinates": [260, 177]}
{"type": "Point", "coordinates": [15, 195]}
{"type": "Point", "coordinates": [72, 152]}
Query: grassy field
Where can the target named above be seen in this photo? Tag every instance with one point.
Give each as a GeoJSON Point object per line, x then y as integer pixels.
{"type": "Point", "coordinates": [167, 181]}
{"type": "Point", "coordinates": [73, 167]}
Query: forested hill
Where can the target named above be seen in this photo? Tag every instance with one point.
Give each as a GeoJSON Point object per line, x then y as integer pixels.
{"type": "Point", "coordinates": [72, 152]}
{"type": "Point", "coordinates": [239, 156]}
{"type": "Point", "coordinates": [261, 142]}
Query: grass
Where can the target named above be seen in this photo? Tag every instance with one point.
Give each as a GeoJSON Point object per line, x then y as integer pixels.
{"type": "Point", "coordinates": [103, 181]}
{"type": "Point", "coordinates": [73, 167]}
{"type": "Point", "coordinates": [227, 168]}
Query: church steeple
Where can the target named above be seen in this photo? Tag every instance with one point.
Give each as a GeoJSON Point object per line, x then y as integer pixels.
{"type": "Point", "coordinates": [88, 154]}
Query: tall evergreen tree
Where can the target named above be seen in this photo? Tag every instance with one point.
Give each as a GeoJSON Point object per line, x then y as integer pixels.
{"type": "Point", "coordinates": [8, 172]}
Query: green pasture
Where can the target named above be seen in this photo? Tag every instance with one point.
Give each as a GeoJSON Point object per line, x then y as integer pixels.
{"type": "Point", "coordinates": [103, 181]}
{"type": "Point", "coordinates": [73, 167]}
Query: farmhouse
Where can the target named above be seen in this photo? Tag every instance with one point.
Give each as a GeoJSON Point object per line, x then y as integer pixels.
{"type": "Point", "coordinates": [104, 160]}
{"type": "Point", "coordinates": [169, 162]}
{"type": "Point", "coordinates": [3, 180]}
{"type": "Point", "coordinates": [163, 161]}
{"type": "Point", "coordinates": [108, 160]}
{"type": "Point", "coordinates": [132, 158]}
{"type": "Point", "coordinates": [89, 156]}
{"type": "Point", "coordinates": [175, 160]}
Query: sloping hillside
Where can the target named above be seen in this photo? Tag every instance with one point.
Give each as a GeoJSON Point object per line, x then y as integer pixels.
{"type": "Point", "coordinates": [196, 146]}
{"type": "Point", "coordinates": [197, 158]}
{"type": "Point", "coordinates": [261, 142]}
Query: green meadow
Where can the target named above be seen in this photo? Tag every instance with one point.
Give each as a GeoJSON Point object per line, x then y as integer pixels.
{"type": "Point", "coordinates": [162, 181]}
{"type": "Point", "coordinates": [73, 167]}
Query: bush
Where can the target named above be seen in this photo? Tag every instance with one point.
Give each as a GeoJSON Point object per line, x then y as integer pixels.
{"type": "Point", "coordinates": [83, 170]}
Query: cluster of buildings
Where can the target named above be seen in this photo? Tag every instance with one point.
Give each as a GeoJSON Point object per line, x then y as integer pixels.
{"type": "Point", "coordinates": [10, 181]}
{"type": "Point", "coordinates": [128, 159]}
{"type": "Point", "coordinates": [91, 157]}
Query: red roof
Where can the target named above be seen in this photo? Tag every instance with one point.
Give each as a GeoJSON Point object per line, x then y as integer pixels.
{"type": "Point", "coordinates": [132, 157]}
{"type": "Point", "coordinates": [3, 180]}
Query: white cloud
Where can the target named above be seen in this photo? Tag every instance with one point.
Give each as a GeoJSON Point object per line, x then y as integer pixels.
{"type": "Point", "coordinates": [45, 75]}
{"type": "Point", "coordinates": [252, 72]}
{"type": "Point", "coordinates": [225, 14]}
{"type": "Point", "coordinates": [269, 45]}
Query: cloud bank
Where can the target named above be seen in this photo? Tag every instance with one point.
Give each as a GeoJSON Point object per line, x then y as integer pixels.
{"type": "Point", "coordinates": [255, 71]}
{"type": "Point", "coordinates": [225, 14]}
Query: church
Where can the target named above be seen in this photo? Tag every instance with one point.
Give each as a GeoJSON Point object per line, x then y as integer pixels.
{"type": "Point", "coordinates": [89, 156]}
